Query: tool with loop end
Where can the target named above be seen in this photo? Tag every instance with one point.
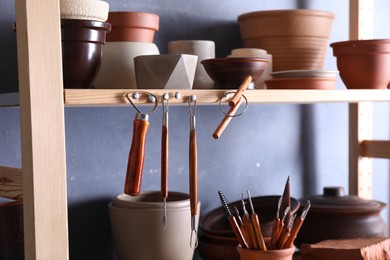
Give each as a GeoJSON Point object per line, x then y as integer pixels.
{"type": "Point", "coordinates": [136, 159]}
{"type": "Point", "coordinates": [193, 170]}
{"type": "Point", "coordinates": [164, 157]}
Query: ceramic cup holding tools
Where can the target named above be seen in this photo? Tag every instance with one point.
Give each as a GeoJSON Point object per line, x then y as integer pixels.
{"type": "Point", "coordinates": [137, 230]}
{"type": "Point", "coordinates": [278, 254]}
{"type": "Point", "coordinates": [201, 48]}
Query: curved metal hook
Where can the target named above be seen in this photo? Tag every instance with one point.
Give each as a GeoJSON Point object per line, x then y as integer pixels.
{"type": "Point", "coordinates": [150, 98]}
{"type": "Point", "coordinates": [225, 97]}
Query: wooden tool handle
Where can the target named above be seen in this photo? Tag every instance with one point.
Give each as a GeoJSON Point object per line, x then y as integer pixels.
{"type": "Point", "coordinates": [252, 243]}
{"type": "Point", "coordinates": [136, 160]}
{"type": "Point", "coordinates": [258, 233]}
{"type": "Point", "coordinates": [237, 232]}
{"type": "Point", "coordinates": [164, 162]}
{"type": "Point", "coordinates": [193, 173]}
{"type": "Point", "coordinates": [275, 233]}
{"type": "Point", "coordinates": [225, 121]}
{"type": "Point", "coordinates": [294, 232]}
{"type": "Point", "coordinates": [237, 96]}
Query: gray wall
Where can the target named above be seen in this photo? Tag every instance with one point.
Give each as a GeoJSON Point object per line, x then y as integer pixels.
{"type": "Point", "coordinates": [257, 151]}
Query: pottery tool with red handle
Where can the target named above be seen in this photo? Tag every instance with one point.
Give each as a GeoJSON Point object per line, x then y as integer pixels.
{"type": "Point", "coordinates": [136, 159]}
{"type": "Point", "coordinates": [193, 170]}
{"type": "Point", "coordinates": [164, 157]}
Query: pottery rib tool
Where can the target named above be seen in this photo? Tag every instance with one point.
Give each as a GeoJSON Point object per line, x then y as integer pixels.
{"type": "Point", "coordinates": [284, 234]}
{"type": "Point", "coordinates": [135, 165]}
{"type": "Point", "coordinates": [297, 225]}
{"type": "Point", "coordinates": [237, 96]}
{"type": "Point", "coordinates": [256, 225]}
{"type": "Point", "coordinates": [193, 170]}
{"type": "Point", "coordinates": [286, 202]}
{"type": "Point", "coordinates": [164, 157]}
{"type": "Point", "coordinates": [232, 221]}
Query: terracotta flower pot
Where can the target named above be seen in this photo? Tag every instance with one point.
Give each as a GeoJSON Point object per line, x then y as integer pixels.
{"type": "Point", "coordinates": [297, 39]}
{"type": "Point", "coordinates": [278, 254]}
{"type": "Point", "coordinates": [82, 49]}
{"type": "Point", "coordinates": [132, 26]}
{"type": "Point", "coordinates": [363, 64]}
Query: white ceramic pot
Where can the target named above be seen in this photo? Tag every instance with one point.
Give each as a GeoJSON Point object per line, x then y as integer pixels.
{"type": "Point", "coordinates": [117, 67]}
{"type": "Point", "coordinates": [137, 227]}
{"type": "Point", "coordinates": [256, 53]}
{"type": "Point", "coordinates": [201, 48]}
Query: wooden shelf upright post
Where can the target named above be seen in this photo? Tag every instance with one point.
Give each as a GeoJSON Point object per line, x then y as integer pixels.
{"type": "Point", "coordinates": [42, 129]}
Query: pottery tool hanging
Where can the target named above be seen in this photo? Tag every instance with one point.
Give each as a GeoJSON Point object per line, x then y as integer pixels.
{"type": "Point", "coordinates": [164, 157]}
{"type": "Point", "coordinates": [136, 159]}
{"type": "Point", "coordinates": [232, 221]}
{"type": "Point", "coordinates": [193, 171]}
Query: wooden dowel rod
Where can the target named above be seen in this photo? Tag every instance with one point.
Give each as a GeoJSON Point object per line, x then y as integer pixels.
{"type": "Point", "coordinates": [225, 121]}
{"type": "Point", "coordinates": [237, 96]}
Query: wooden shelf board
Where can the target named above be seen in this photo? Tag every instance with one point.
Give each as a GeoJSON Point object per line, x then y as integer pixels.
{"type": "Point", "coordinates": [117, 97]}
{"type": "Point", "coordinates": [376, 149]}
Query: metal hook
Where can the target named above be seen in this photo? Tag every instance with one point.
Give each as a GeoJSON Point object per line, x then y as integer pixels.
{"type": "Point", "coordinates": [136, 95]}
{"type": "Point", "coordinates": [226, 97]}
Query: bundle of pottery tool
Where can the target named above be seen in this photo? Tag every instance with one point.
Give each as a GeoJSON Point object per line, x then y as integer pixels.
{"type": "Point", "coordinates": [247, 226]}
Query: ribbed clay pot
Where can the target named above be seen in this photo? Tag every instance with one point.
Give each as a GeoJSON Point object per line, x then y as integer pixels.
{"type": "Point", "coordinates": [334, 215]}
{"type": "Point", "coordinates": [277, 254]}
{"type": "Point", "coordinates": [297, 39]}
{"type": "Point", "coordinates": [363, 64]}
{"type": "Point", "coordinates": [82, 49]}
{"type": "Point", "coordinates": [137, 226]}
{"type": "Point", "coordinates": [132, 26]}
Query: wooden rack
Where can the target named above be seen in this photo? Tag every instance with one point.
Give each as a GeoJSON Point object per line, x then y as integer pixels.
{"type": "Point", "coordinates": [42, 101]}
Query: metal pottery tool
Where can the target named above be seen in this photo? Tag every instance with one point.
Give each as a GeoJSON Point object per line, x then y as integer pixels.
{"type": "Point", "coordinates": [284, 234]}
{"type": "Point", "coordinates": [297, 225]}
{"type": "Point", "coordinates": [136, 159]}
{"type": "Point", "coordinates": [256, 225]}
{"type": "Point", "coordinates": [232, 221]}
{"type": "Point", "coordinates": [276, 225]}
{"type": "Point", "coordinates": [286, 202]}
{"type": "Point", "coordinates": [164, 157]}
{"type": "Point", "coordinates": [193, 170]}
{"type": "Point", "coordinates": [249, 227]}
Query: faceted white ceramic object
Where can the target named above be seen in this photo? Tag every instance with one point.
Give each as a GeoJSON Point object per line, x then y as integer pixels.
{"type": "Point", "coordinates": [165, 71]}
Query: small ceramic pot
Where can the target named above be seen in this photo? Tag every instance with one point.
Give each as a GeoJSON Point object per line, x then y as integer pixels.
{"type": "Point", "coordinates": [296, 38]}
{"type": "Point", "coordinates": [204, 50]}
{"type": "Point", "coordinates": [279, 254]}
{"type": "Point", "coordinates": [117, 68]}
{"type": "Point", "coordinates": [165, 71]}
{"type": "Point", "coordinates": [138, 232]}
{"type": "Point", "coordinates": [132, 26]}
{"type": "Point", "coordinates": [82, 49]}
{"type": "Point", "coordinates": [256, 53]}
{"type": "Point", "coordinates": [11, 231]}
{"type": "Point", "coordinates": [334, 216]}
{"type": "Point", "coordinates": [363, 64]}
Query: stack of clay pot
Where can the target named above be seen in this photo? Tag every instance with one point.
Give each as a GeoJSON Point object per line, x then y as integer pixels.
{"type": "Point", "coordinates": [297, 39]}
{"type": "Point", "coordinates": [132, 35]}
{"type": "Point", "coordinates": [83, 35]}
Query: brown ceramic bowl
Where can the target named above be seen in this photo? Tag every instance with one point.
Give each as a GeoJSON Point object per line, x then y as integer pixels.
{"type": "Point", "coordinates": [228, 73]}
{"type": "Point", "coordinates": [334, 215]}
{"type": "Point", "coordinates": [215, 222]}
{"type": "Point", "coordinates": [82, 50]}
{"type": "Point", "coordinates": [132, 26]}
{"type": "Point", "coordinates": [363, 64]}
{"type": "Point", "coordinates": [301, 83]}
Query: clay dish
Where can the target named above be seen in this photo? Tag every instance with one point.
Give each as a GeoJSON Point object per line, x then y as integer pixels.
{"type": "Point", "coordinates": [228, 73]}
{"type": "Point", "coordinates": [363, 64]}
{"type": "Point", "coordinates": [301, 83]}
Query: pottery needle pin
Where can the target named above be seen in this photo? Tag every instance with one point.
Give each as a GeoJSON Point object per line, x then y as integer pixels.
{"type": "Point", "coordinates": [256, 225]}
{"type": "Point", "coordinates": [297, 225]}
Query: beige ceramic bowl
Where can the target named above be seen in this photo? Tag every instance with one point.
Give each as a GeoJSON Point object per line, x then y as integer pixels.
{"type": "Point", "coordinates": [137, 226]}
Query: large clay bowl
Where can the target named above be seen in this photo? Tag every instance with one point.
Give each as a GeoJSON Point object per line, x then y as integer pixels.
{"type": "Point", "coordinates": [228, 73]}
{"type": "Point", "coordinates": [215, 222]}
{"type": "Point", "coordinates": [363, 64]}
{"type": "Point", "coordinates": [297, 39]}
